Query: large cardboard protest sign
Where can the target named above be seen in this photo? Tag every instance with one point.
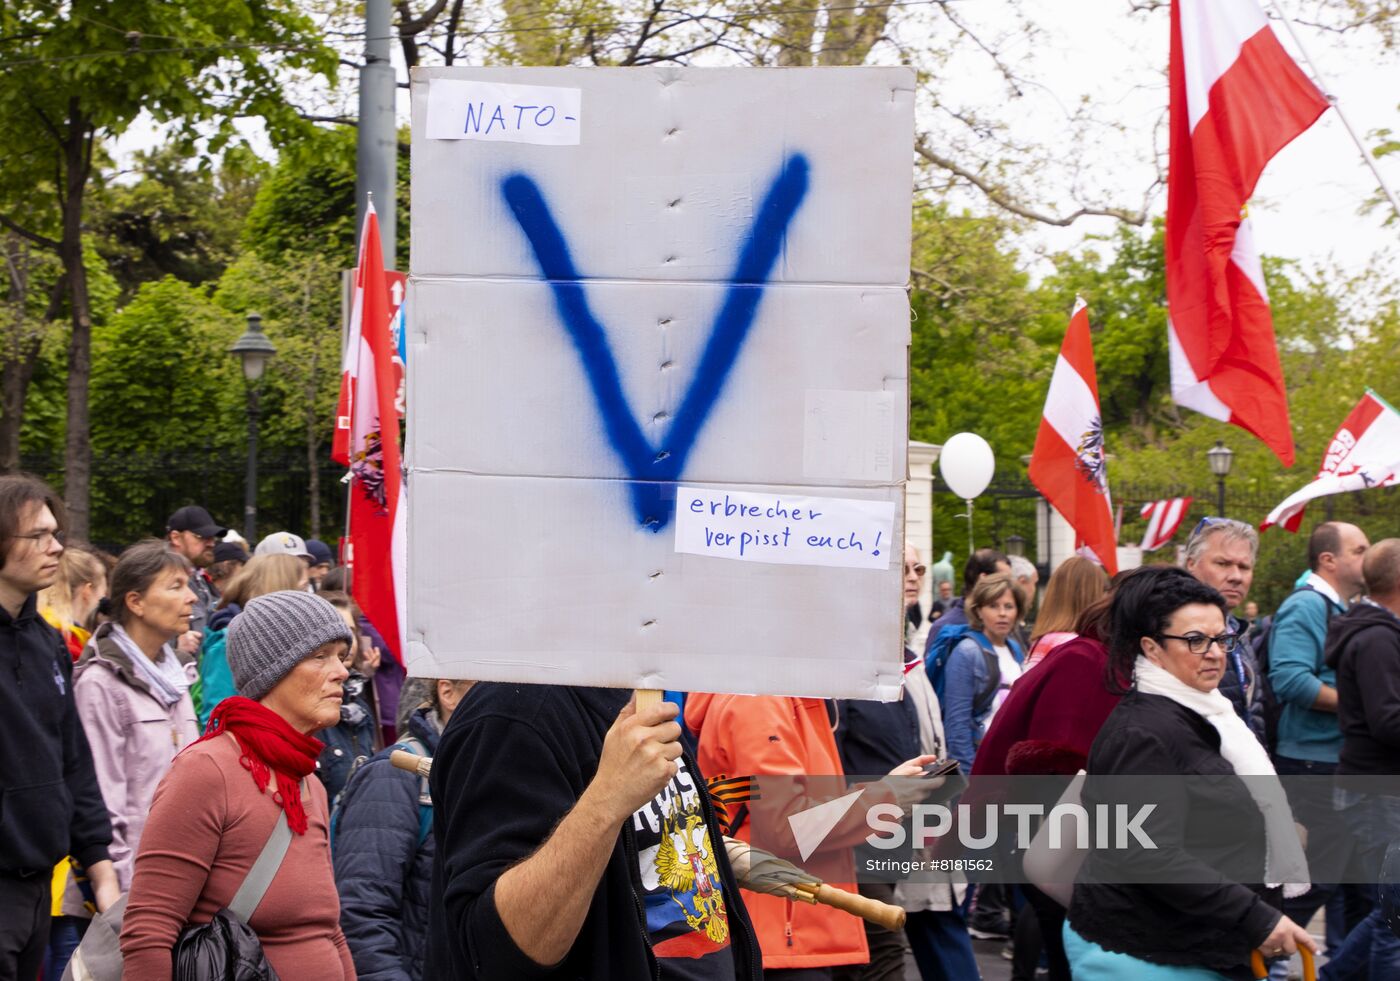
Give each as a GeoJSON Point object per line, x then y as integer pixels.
{"type": "Point", "coordinates": [658, 363]}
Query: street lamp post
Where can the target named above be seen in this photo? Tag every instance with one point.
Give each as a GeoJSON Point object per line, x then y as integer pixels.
{"type": "Point", "coordinates": [1220, 458]}
{"type": "Point", "coordinates": [1016, 545]}
{"type": "Point", "coordinates": [253, 350]}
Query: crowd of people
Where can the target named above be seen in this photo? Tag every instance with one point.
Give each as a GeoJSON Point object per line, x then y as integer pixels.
{"type": "Point", "coordinates": [198, 756]}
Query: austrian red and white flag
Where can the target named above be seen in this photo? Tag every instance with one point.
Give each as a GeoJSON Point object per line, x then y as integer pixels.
{"type": "Point", "coordinates": [1237, 98]}
{"type": "Point", "coordinates": [395, 283]}
{"type": "Point", "coordinates": [1364, 453]}
{"type": "Point", "coordinates": [377, 499]}
{"type": "Point", "coordinates": [1163, 519]}
{"type": "Point", "coordinates": [1067, 465]}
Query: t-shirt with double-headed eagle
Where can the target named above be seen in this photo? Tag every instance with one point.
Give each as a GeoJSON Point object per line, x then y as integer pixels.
{"type": "Point", "coordinates": [685, 903]}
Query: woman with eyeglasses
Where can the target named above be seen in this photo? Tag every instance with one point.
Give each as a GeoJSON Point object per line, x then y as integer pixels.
{"type": "Point", "coordinates": [1225, 849]}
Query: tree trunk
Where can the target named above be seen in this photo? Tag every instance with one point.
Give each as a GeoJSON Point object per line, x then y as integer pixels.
{"type": "Point", "coordinates": [15, 375]}
{"type": "Point", "coordinates": [77, 452]}
{"type": "Point", "coordinates": [313, 472]}
{"type": "Point", "coordinates": [21, 356]}
{"type": "Point", "coordinates": [14, 381]}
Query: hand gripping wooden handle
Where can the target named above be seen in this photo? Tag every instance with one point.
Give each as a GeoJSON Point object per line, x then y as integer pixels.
{"type": "Point", "coordinates": [881, 914]}
{"type": "Point", "coordinates": [421, 765]}
{"type": "Point", "coordinates": [1261, 970]}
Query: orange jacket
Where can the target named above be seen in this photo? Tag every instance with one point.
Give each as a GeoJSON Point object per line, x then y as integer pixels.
{"type": "Point", "coordinates": [743, 735]}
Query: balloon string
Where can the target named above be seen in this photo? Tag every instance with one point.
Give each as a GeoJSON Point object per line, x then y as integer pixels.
{"type": "Point", "coordinates": [971, 545]}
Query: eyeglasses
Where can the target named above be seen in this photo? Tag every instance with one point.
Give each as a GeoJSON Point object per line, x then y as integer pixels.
{"type": "Point", "coordinates": [918, 570]}
{"type": "Point", "coordinates": [44, 538]}
{"type": "Point", "coordinates": [1199, 644]}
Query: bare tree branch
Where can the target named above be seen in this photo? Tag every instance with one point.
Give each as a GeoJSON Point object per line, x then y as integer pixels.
{"type": "Point", "coordinates": [339, 120]}
{"type": "Point", "coordinates": [1003, 199]}
{"type": "Point", "coordinates": [40, 240]}
{"type": "Point", "coordinates": [454, 20]}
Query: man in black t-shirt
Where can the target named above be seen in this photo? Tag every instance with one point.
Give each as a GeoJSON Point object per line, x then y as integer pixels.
{"type": "Point", "coordinates": [577, 839]}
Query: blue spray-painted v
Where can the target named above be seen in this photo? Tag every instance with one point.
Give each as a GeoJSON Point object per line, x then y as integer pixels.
{"type": "Point", "coordinates": [654, 468]}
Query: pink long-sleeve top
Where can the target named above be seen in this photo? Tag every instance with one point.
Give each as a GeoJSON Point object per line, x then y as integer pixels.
{"type": "Point", "coordinates": [207, 825]}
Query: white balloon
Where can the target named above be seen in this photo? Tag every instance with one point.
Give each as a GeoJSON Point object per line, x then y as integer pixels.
{"type": "Point", "coordinates": [967, 464]}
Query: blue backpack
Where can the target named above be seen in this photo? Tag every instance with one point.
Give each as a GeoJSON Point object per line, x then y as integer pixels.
{"type": "Point", "coordinates": [936, 663]}
{"type": "Point", "coordinates": [425, 800]}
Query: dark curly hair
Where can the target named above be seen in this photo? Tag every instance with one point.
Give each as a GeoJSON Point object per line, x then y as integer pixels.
{"type": "Point", "coordinates": [1142, 604]}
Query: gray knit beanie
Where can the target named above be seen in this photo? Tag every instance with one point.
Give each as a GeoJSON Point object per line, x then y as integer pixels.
{"type": "Point", "coordinates": [276, 632]}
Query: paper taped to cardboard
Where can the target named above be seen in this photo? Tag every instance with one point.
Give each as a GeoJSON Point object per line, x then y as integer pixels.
{"type": "Point", "coordinates": [705, 295]}
{"type": "Point", "coordinates": [728, 523]}
{"type": "Point", "coordinates": [460, 109]}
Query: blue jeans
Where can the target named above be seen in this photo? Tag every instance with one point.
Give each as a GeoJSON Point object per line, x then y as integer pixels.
{"type": "Point", "coordinates": [64, 936]}
{"type": "Point", "coordinates": [1329, 847]}
{"type": "Point", "coordinates": [941, 946]}
{"type": "Point", "coordinates": [1371, 950]}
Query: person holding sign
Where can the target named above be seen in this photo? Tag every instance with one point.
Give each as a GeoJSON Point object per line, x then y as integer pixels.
{"type": "Point", "coordinates": [576, 839]}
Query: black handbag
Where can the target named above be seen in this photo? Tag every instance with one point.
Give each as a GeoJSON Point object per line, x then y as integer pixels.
{"type": "Point", "coordinates": [226, 948]}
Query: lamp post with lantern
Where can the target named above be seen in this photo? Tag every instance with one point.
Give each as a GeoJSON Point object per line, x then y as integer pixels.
{"type": "Point", "coordinates": [253, 350]}
{"type": "Point", "coordinates": [1220, 458]}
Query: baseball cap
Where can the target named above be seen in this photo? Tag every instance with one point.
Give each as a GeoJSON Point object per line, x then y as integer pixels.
{"type": "Point", "coordinates": [320, 552]}
{"type": "Point", "coordinates": [226, 551]}
{"type": "Point", "coordinates": [194, 518]}
{"type": "Point", "coordinates": [283, 543]}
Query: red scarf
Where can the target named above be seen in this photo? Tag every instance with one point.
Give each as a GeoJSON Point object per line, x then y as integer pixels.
{"type": "Point", "coordinates": [268, 743]}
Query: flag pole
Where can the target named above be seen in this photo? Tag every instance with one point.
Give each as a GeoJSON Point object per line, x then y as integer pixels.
{"type": "Point", "coordinates": [1337, 105]}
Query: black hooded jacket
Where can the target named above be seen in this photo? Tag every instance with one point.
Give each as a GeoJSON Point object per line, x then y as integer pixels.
{"type": "Point", "coordinates": [50, 803]}
{"type": "Point", "coordinates": [1363, 646]}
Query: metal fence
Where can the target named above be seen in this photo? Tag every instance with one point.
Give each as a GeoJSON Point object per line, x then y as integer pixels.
{"type": "Point", "coordinates": [132, 496]}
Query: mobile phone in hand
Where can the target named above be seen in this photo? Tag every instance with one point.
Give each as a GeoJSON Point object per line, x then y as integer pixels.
{"type": "Point", "coordinates": [941, 768]}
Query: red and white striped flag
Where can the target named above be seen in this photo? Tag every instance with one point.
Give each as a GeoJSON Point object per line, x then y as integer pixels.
{"type": "Point", "coordinates": [1067, 464]}
{"type": "Point", "coordinates": [377, 502]}
{"type": "Point", "coordinates": [1163, 519]}
{"type": "Point", "coordinates": [1364, 453]}
{"type": "Point", "coordinates": [1237, 98]}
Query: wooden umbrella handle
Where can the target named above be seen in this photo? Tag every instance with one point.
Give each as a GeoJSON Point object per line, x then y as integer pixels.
{"type": "Point", "coordinates": [1261, 969]}
{"type": "Point", "coordinates": [881, 914]}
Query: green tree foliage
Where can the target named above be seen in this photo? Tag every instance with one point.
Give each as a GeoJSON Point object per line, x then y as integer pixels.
{"type": "Point", "coordinates": [178, 217]}
{"type": "Point", "coordinates": [162, 380]}
{"type": "Point", "coordinates": [299, 300]}
{"type": "Point", "coordinates": [77, 74]}
{"type": "Point", "coordinates": [306, 204]}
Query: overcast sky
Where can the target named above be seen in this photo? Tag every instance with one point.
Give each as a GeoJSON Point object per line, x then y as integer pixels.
{"type": "Point", "coordinates": [1306, 205]}
{"type": "Point", "coordinates": [1100, 51]}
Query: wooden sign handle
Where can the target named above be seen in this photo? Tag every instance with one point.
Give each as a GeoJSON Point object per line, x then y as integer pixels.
{"type": "Point", "coordinates": [872, 910]}
{"type": "Point", "coordinates": [421, 765]}
{"type": "Point", "coordinates": [1261, 970]}
{"type": "Point", "coordinates": [647, 697]}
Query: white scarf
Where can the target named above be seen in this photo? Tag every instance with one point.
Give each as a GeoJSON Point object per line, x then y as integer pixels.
{"type": "Point", "coordinates": [1284, 861]}
{"type": "Point", "coordinates": [165, 678]}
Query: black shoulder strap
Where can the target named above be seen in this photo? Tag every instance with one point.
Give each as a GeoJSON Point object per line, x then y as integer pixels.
{"type": "Point", "coordinates": [989, 689]}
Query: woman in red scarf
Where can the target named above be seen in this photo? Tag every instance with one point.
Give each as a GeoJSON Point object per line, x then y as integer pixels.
{"type": "Point", "coordinates": [223, 796]}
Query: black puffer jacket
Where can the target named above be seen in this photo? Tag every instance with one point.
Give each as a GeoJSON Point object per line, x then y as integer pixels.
{"type": "Point", "coordinates": [382, 868]}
